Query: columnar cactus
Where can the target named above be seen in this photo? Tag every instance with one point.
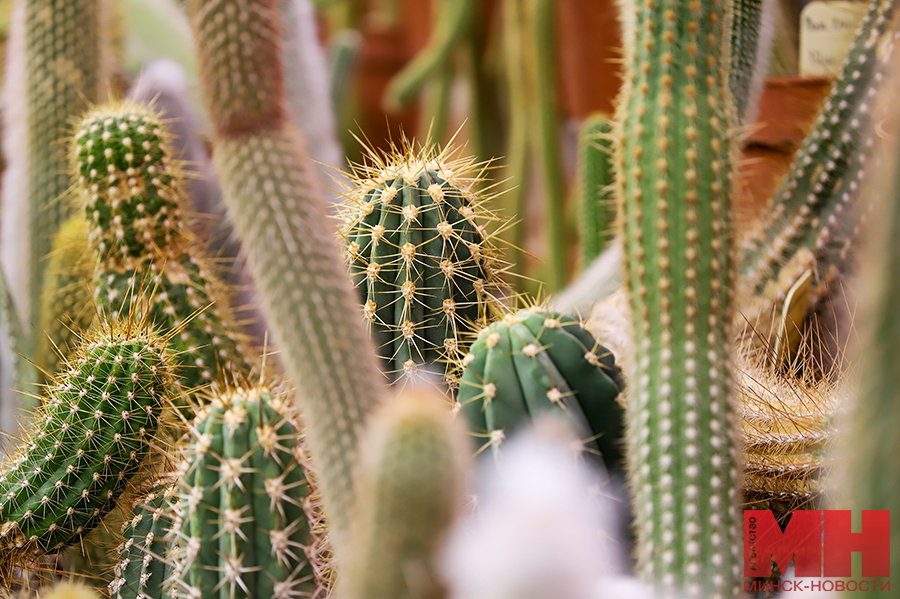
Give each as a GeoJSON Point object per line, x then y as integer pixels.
{"type": "Point", "coordinates": [674, 175]}
{"type": "Point", "coordinates": [240, 524]}
{"type": "Point", "coordinates": [535, 362]}
{"type": "Point", "coordinates": [99, 421]}
{"type": "Point", "coordinates": [595, 178]}
{"type": "Point", "coordinates": [412, 485]}
{"type": "Point", "coordinates": [55, 71]}
{"type": "Point", "coordinates": [814, 218]}
{"type": "Point", "coordinates": [870, 442]}
{"type": "Point", "coordinates": [278, 213]}
{"type": "Point", "coordinates": [146, 555]}
{"type": "Point", "coordinates": [130, 188]}
{"type": "Point", "coordinates": [749, 46]}
{"type": "Point", "coordinates": [419, 251]}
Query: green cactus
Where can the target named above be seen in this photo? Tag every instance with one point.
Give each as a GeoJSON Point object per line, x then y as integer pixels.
{"type": "Point", "coordinates": [534, 362]}
{"type": "Point", "coordinates": [748, 45]}
{"type": "Point", "coordinates": [240, 524]}
{"type": "Point", "coordinates": [66, 306]}
{"type": "Point", "coordinates": [131, 190]}
{"type": "Point", "coordinates": [421, 256]}
{"type": "Point", "coordinates": [98, 424]}
{"type": "Point", "coordinates": [673, 173]}
{"type": "Point", "coordinates": [55, 71]}
{"type": "Point", "coordinates": [146, 560]}
{"type": "Point", "coordinates": [412, 485]}
{"type": "Point", "coordinates": [812, 222]}
{"type": "Point", "coordinates": [278, 213]}
{"type": "Point", "coordinates": [595, 179]}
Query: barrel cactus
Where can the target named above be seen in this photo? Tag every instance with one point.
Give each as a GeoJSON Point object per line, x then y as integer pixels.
{"type": "Point", "coordinates": [91, 437]}
{"type": "Point", "coordinates": [240, 524]}
{"type": "Point", "coordinates": [416, 238]}
{"type": "Point", "coordinates": [534, 362]}
{"type": "Point", "coordinates": [131, 188]}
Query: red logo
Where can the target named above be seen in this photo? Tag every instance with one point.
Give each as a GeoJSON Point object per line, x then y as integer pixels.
{"type": "Point", "coordinates": [820, 542]}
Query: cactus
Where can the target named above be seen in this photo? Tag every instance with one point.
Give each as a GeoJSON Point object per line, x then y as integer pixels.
{"type": "Point", "coordinates": [66, 303]}
{"type": "Point", "coordinates": [750, 39]}
{"type": "Point", "coordinates": [146, 554]}
{"type": "Point", "coordinates": [535, 362]}
{"type": "Point", "coordinates": [130, 187]}
{"type": "Point", "coordinates": [421, 256]}
{"type": "Point", "coordinates": [869, 437]}
{"type": "Point", "coordinates": [595, 178]}
{"type": "Point", "coordinates": [412, 485]}
{"type": "Point", "coordinates": [240, 524]}
{"type": "Point", "coordinates": [278, 213]}
{"type": "Point", "coordinates": [673, 174]}
{"type": "Point", "coordinates": [96, 428]}
{"type": "Point", "coordinates": [55, 71]}
{"type": "Point", "coordinates": [813, 219]}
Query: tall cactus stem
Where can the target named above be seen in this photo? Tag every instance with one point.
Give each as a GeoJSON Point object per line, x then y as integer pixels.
{"type": "Point", "coordinates": [674, 174]}
{"type": "Point", "coordinates": [268, 185]}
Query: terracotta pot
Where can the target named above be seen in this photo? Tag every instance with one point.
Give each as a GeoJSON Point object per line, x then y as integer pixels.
{"type": "Point", "coordinates": [787, 109]}
{"type": "Point", "coordinates": [589, 45]}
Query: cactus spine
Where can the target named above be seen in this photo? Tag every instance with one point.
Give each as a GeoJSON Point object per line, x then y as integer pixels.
{"type": "Point", "coordinates": [673, 169]}
{"type": "Point", "coordinates": [535, 362]}
{"type": "Point", "coordinates": [412, 485]}
{"type": "Point", "coordinates": [55, 71]}
{"type": "Point", "coordinates": [279, 215]}
{"type": "Point", "coordinates": [240, 524]}
{"type": "Point", "coordinates": [421, 255]}
{"type": "Point", "coordinates": [96, 428]}
{"type": "Point", "coordinates": [131, 191]}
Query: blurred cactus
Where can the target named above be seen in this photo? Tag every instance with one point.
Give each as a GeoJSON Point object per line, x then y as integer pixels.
{"type": "Point", "coordinates": [278, 213]}
{"type": "Point", "coordinates": [55, 70]}
{"type": "Point", "coordinates": [412, 485]}
{"type": "Point", "coordinates": [422, 257]}
{"type": "Point", "coordinates": [595, 180]}
{"type": "Point", "coordinates": [536, 362]}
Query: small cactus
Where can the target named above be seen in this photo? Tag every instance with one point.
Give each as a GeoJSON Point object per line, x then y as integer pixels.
{"type": "Point", "coordinates": [145, 556]}
{"type": "Point", "coordinates": [98, 423]}
{"type": "Point", "coordinates": [240, 523]}
{"type": "Point", "coordinates": [595, 179]}
{"type": "Point", "coordinates": [420, 255]}
{"type": "Point", "coordinates": [131, 188]}
{"type": "Point", "coordinates": [535, 362]}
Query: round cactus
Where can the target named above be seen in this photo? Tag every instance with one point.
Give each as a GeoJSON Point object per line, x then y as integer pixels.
{"type": "Point", "coordinates": [240, 524]}
{"type": "Point", "coordinates": [533, 362]}
{"type": "Point", "coordinates": [131, 189]}
{"type": "Point", "coordinates": [146, 562]}
{"type": "Point", "coordinates": [420, 253]}
{"type": "Point", "coordinates": [90, 438]}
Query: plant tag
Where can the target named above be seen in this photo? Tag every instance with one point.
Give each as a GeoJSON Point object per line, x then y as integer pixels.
{"type": "Point", "coordinates": [826, 32]}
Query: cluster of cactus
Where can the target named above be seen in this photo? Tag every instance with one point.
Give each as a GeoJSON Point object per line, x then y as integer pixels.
{"type": "Point", "coordinates": [421, 256]}
{"type": "Point", "coordinates": [236, 518]}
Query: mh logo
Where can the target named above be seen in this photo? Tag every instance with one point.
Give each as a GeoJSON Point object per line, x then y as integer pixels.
{"type": "Point", "coordinates": [820, 541]}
